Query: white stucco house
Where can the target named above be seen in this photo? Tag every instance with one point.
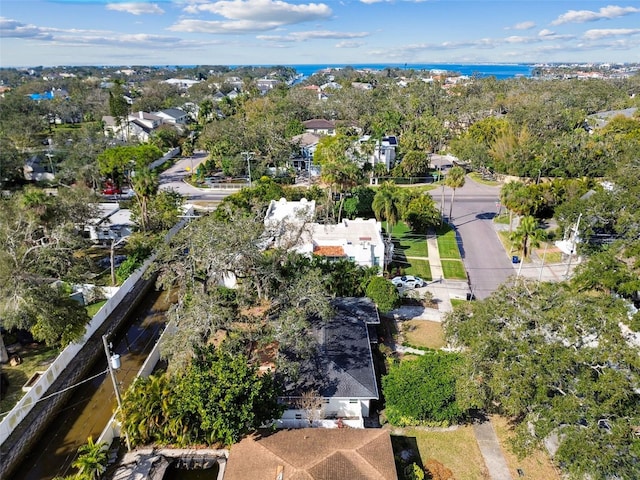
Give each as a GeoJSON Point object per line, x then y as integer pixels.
{"type": "Point", "coordinates": [359, 240]}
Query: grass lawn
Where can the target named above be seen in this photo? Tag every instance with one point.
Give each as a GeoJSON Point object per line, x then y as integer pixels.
{"type": "Point", "coordinates": [423, 333]}
{"type": "Point", "coordinates": [456, 450]}
{"type": "Point", "coordinates": [453, 269]}
{"type": "Point", "coordinates": [456, 301]}
{"type": "Point", "coordinates": [448, 244]}
{"type": "Point", "coordinates": [552, 255]}
{"type": "Point", "coordinates": [534, 466]}
{"type": "Point", "coordinates": [408, 243]}
{"type": "Point", "coordinates": [413, 266]}
{"type": "Point", "coordinates": [94, 307]}
{"type": "Point", "coordinates": [478, 178]}
{"type": "Point", "coordinates": [502, 219]}
{"type": "Point", "coordinates": [34, 359]}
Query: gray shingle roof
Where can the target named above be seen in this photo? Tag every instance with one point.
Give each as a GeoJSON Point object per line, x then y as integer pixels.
{"type": "Point", "coordinates": [343, 363]}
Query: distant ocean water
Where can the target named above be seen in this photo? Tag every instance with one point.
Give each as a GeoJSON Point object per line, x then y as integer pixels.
{"type": "Point", "coordinates": [500, 71]}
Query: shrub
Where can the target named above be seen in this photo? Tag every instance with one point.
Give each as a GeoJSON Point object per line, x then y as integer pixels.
{"type": "Point", "coordinates": [383, 293]}
{"type": "Point", "coordinates": [423, 391]}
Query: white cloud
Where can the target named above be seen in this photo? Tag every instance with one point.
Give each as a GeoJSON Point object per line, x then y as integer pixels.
{"type": "Point", "coordinates": [221, 27]}
{"type": "Point", "coordinates": [312, 35]}
{"type": "Point", "coordinates": [264, 11]}
{"type": "Point", "coordinates": [522, 26]}
{"type": "Point", "coordinates": [596, 34]}
{"type": "Point", "coordinates": [137, 8]}
{"type": "Point", "coordinates": [583, 16]}
{"type": "Point", "coordinates": [10, 28]}
{"type": "Point", "coordinates": [348, 44]}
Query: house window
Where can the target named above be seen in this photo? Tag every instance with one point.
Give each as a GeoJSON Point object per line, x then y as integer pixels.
{"type": "Point", "coordinates": [376, 261]}
{"type": "Point", "coordinates": [353, 401]}
{"type": "Point", "coordinates": [298, 416]}
{"type": "Point", "coordinates": [352, 259]}
{"type": "Point", "coordinates": [326, 401]}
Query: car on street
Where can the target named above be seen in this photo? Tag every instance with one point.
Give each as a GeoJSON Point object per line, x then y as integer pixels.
{"type": "Point", "coordinates": [408, 281]}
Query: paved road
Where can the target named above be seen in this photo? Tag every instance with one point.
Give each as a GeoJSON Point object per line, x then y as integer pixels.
{"type": "Point", "coordinates": [485, 260]}
{"type": "Point", "coordinates": [173, 179]}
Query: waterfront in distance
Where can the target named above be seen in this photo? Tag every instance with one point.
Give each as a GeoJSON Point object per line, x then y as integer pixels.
{"type": "Point", "coordinates": [500, 71]}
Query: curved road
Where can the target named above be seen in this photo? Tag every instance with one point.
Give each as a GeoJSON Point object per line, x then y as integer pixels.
{"type": "Point", "coordinates": [173, 179]}
{"type": "Point", "coordinates": [474, 206]}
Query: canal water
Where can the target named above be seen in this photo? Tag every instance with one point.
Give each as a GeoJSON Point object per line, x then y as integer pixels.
{"type": "Point", "coordinates": [92, 404]}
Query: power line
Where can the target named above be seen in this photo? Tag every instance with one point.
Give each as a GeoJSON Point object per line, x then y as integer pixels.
{"type": "Point", "coordinates": [58, 393]}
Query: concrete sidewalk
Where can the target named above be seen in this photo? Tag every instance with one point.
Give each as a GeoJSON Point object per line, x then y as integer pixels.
{"type": "Point", "coordinates": [443, 291]}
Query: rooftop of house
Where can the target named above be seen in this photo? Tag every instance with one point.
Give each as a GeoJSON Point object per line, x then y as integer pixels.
{"type": "Point", "coordinates": [347, 232]}
{"type": "Point", "coordinates": [313, 454]}
{"type": "Point", "coordinates": [303, 210]}
{"type": "Point", "coordinates": [329, 251]}
{"type": "Point", "coordinates": [172, 112]}
{"type": "Point", "coordinates": [342, 365]}
{"type": "Point", "coordinates": [305, 139]}
{"type": "Point", "coordinates": [315, 123]}
{"type": "Point", "coordinates": [104, 210]}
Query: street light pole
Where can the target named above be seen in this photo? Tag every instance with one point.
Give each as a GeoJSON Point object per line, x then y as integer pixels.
{"type": "Point", "coordinates": [115, 358]}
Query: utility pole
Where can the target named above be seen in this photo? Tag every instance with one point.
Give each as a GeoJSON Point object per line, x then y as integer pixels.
{"type": "Point", "coordinates": [248, 156]}
{"type": "Point", "coordinates": [573, 246]}
{"type": "Point", "coordinates": [441, 196]}
{"type": "Point", "coordinates": [111, 361]}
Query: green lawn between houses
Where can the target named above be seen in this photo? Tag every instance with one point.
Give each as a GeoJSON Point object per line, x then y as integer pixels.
{"type": "Point", "coordinates": [407, 242]}
{"type": "Point", "coordinates": [448, 243]}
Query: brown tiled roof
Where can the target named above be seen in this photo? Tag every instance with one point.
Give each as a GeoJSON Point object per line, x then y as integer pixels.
{"type": "Point", "coordinates": [314, 454]}
{"type": "Point", "coordinates": [318, 123]}
{"type": "Point", "coordinates": [329, 251]}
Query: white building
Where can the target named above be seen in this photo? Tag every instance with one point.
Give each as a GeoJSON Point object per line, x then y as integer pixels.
{"type": "Point", "coordinates": [111, 224]}
{"type": "Point", "coordinates": [289, 225]}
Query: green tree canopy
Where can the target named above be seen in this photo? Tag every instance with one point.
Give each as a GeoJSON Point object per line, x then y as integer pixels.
{"type": "Point", "coordinates": [423, 391]}
{"type": "Point", "coordinates": [557, 362]}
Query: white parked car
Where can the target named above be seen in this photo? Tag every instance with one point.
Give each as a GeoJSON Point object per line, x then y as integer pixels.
{"type": "Point", "coordinates": [408, 281]}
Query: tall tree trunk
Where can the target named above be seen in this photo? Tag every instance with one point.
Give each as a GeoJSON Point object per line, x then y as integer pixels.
{"type": "Point", "coordinates": [453, 196]}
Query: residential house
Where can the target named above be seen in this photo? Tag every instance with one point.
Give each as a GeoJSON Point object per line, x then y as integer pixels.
{"type": "Point", "coordinates": [138, 125]}
{"type": "Point", "coordinates": [306, 144]}
{"type": "Point", "coordinates": [266, 84]}
{"type": "Point", "coordinates": [110, 224]}
{"type": "Point", "coordinates": [173, 116]}
{"type": "Point", "coordinates": [362, 86]}
{"type": "Point", "coordinates": [358, 240]}
{"type": "Point", "coordinates": [182, 83]}
{"type": "Point", "coordinates": [320, 126]}
{"type": "Point", "coordinates": [384, 151]}
{"type": "Point", "coordinates": [313, 454]}
{"type": "Point", "coordinates": [285, 221]}
{"type": "Point", "coordinates": [340, 375]}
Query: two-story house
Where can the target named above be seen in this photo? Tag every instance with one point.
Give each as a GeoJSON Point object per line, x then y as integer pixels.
{"type": "Point", "coordinates": [359, 240]}
{"type": "Point", "coordinates": [320, 126]}
{"type": "Point", "coordinates": [340, 374]}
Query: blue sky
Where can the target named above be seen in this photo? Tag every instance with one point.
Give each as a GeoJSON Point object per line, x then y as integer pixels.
{"type": "Point", "coordinates": [267, 32]}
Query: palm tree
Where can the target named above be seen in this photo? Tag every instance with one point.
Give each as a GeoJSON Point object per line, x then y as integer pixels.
{"type": "Point", "coordinates": [386, 204]}
{"type": "Point", "coordinates": [92, 460]}
{"type": "Point", "coordinates": [145, 185]}
{"type": "Point", "coordinates": [454, 179]}
{"type": "Point", "coordinates": [527, 235]}
{"type": "Point", "coordinates": [516, 198]}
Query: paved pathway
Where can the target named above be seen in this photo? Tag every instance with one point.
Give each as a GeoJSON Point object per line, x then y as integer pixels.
{"type": "Point", "coordinates": [443, 290]}
{"type": "Point", "coordinates": [491, 451]}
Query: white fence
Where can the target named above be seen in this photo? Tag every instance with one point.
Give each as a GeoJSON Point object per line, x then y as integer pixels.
{"type": "Point", "coordinates": [172, 153]}
{"type": "Point", "coordinates": [28, 401]}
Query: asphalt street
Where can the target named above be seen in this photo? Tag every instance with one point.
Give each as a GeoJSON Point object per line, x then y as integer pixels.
{"type": "Point", "coordinates": [173, 179]}
{"type": "Point", "coordinates": [474, 207]}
